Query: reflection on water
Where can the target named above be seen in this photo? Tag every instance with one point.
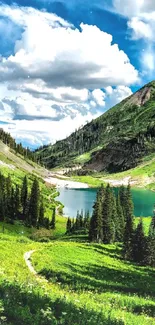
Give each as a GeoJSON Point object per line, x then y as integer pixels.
{"type": "Point", "coordinates": [77, 199]}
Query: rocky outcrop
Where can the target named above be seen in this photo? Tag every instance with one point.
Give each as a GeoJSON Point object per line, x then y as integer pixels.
{"type": "Point", "coordinates": [118, 156]}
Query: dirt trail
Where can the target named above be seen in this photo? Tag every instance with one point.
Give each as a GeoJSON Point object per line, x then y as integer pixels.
{"type": "Point", "coordinates": [27, 258]}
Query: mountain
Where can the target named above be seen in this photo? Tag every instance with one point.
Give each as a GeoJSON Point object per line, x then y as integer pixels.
{"type": "Point", "coordinates": [115, 141]}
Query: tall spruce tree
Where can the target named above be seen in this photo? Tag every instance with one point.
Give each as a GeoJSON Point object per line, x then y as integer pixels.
{"type": "Point", "coordinates": [151, 243]}
{"type": "Point", "coordinates": [123, 199]}
{"type": "Point", "coordinates": [96, 224]}
{"type": "Point", "coordinates": [120, 220]}
{"type": "Point", "coordinates": [129, 226]}
{"type": "Point", "coordinates": [68, 226]}
{"type": "Point", "coordinates": [53, 220]}
{"type": "Point", "coordinates": [41, 215]}
{"type": "Point", "coordinates": [139, 244]}
{"type": "Point", "coordinates": [17, 201]}
{"type": "Point", "coordinates": [34, 203]}
{"type": "Point", "coordinates": [108, 225]}
{"type": "Point", "coordinates": [24, 196]}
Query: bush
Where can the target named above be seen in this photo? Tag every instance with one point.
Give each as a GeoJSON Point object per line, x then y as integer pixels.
{"type": "Point", "coordinates": [42, 235]}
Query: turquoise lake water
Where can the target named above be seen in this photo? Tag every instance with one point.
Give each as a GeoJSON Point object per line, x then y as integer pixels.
{"type": "Point", "coordinates": [77, 199]}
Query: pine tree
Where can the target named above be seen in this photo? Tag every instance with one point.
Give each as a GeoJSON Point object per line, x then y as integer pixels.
{"type": "Point", "coordinates": [2, 198]}
{"type": "Point", "coordinates": [129, 208]}
{"type": "Point", "coordinates": [150, 258]}
{"type": "Point", "coordinates": [34, 203]}
{"type": "Point", "coordinates": [53, 220]}
{"type": "Point", "coordinates": [81, 219]}
{"type": "Point", "coordinates": [11, 205]}
{"type": "Point", "coordinates": [120, 221]}
{"type": "Point", "coordinates": [96, 224]}
{"type": "Point", "coordinates": [46, 223]}
{"type": "Point", "coordinates": [129, 226]}
{"type": "Point", "coordinates": [123, 199]}
{"type": "Point", "coordinates": [68, 226]}
{"type": "Point", "coordinates": [24, 195]}
{"type": "Point", "coordinates": [139, 244]}
{"type": "Point", "coordinates": [108, 226]}
{"type": "Point", "coordinates": [17, 201]}
{"type": "Point", "coordinates": [127, 240]}
{"type": "Point", "coordinates": [41, 215]}
{"type": "Point", "coordinates": [86, 222]}
{"type": "Point", "coordinates": [77, 221]}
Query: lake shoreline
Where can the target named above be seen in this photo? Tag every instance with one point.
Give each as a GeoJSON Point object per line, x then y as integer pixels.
{"type": "Point", "coordinates": [65, 183]}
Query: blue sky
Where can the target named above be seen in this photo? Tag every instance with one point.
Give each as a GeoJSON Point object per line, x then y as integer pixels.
{"type": "Point", "coordinates": [63, 63]}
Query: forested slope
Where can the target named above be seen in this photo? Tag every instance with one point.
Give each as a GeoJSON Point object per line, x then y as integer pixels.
{"type": "Point", "coordinates": [115, 141]}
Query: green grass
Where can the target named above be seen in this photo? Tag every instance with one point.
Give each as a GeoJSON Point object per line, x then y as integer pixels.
{"type": "Point", "coordinates": [87, 283]}
{"type": "Point", "coordinates": [141, 174]}
{"type": "Point", "coordinates": [95, 278]}
{"type": "Point", "coordinates": [92, 181]}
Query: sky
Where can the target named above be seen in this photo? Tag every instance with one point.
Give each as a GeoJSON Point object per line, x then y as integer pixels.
{"type": "Point", "coordinates": [64, 63]}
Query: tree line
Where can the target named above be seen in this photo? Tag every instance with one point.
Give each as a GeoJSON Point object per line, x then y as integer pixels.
{"type": "Point", "coordinates": [18, 203]}
{"type": "Point", "coordinates": [78, 225]}
{"type": "Point", "coordinates": [113, 221]}
{"type": "Point", "coordinates": [7, 139]}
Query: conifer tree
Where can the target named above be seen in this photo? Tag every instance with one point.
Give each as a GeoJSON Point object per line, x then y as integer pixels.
{"type": "Point", "coordinates": [81, 219]}
{"type": "Point", "coordinates": [68, 226]}
{"type": "Point", "coordinates": [108, 226]}
{"type": "Point", "coordinates": [46, 223]}
{"type": "Point", "coordinates": [34, 203]}
{"type": "Point", "coordinates": [11, 206]}
{"type": "Point", "coordinates": [77, 221]}
{"type": "Point", "coordinates": [53, 220]}
{"type": "Point", "coordinates": [129, 226]}
{"type": "Point", "coordinates": [120, 221]}
{"type": "Point", "coordinates": [151, 243]}
{"type": "Point", "coordinates": [41, 215]}
{"type": "Point", "coordinates": [127, 240]}
{"type": "Point", "coordinates": [139, 244]}
{"type": "Point", "coordinates": [24, 195]}
{"type": "Point", "coordinates": [123, 199]}
{"type": "Point", "coordinates": [17, 201]}
{"type": "Point", "coordinates": [96, 224]}
{"type": "Point", "coordinates": [86, 222]}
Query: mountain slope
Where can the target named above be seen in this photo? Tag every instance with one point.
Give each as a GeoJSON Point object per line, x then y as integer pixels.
{"type": "Point", "coordinates": [115, 141]}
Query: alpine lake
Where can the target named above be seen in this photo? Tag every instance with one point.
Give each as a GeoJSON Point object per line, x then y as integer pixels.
{"type": "Point", "coordinates": [83, 199]}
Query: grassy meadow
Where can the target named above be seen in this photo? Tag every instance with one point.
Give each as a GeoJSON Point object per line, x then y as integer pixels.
{"type": "Point", "coordinates": [86, 283]}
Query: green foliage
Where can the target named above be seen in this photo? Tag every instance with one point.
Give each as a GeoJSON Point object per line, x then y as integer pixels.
{"type": "Point", "coordinates": [125, 133]}
{"type": "Point", "coordinates": [79, 225]}
{"type": "Point", "coordinates": [33, 214]}
{"type": "Point", "coordinates": [53, 220]}
{"type": "Point", "coordinates": [10, 142]}
{"type": "Point", "coordinates": [82, 278]}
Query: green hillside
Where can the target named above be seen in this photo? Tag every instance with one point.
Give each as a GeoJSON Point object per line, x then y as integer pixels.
{"type": "Point", "coordinates": [76, 283]}
{"type": "Point", "coordinates": [116, 141]}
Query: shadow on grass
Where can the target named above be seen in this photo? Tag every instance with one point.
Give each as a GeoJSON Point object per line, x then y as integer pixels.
{"type": "Point", "coordinates": [103, 279]}
{"type": "Point", "coordinates": [21, 307]}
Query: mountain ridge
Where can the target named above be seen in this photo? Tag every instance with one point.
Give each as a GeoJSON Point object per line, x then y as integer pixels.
{"type": "Point", "coordinates": [115, 141]}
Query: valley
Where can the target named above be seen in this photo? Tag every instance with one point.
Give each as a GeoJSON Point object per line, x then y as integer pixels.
{"type": "Point", "coordinates": [54, 272]}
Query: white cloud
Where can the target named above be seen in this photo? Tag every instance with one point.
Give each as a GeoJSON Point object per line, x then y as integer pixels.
{"type": "Point", "coordinates": [99, 97]}
{"type": "Point", "coordinates": [140, 29]}
{"type": "Point", "coordinates": [52, 82]}
{"type": "Point", "coordinates": [141, 22]}
{"type": "Point", "coordinates": [116, 95]}
{"type": "Point", "coordinates": [134, 8]}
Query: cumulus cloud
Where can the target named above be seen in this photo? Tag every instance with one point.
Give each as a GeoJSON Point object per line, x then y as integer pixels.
{"type": "Point", "coordinates": [56, 78]}
{"type": "Point", "coordinates": [140, 29]}
{"type": "Point", "coordinates": [141, 22]}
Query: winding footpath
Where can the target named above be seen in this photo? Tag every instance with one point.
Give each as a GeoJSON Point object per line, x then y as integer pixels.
{"type": "Point", "coordinates": [27, 259]}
